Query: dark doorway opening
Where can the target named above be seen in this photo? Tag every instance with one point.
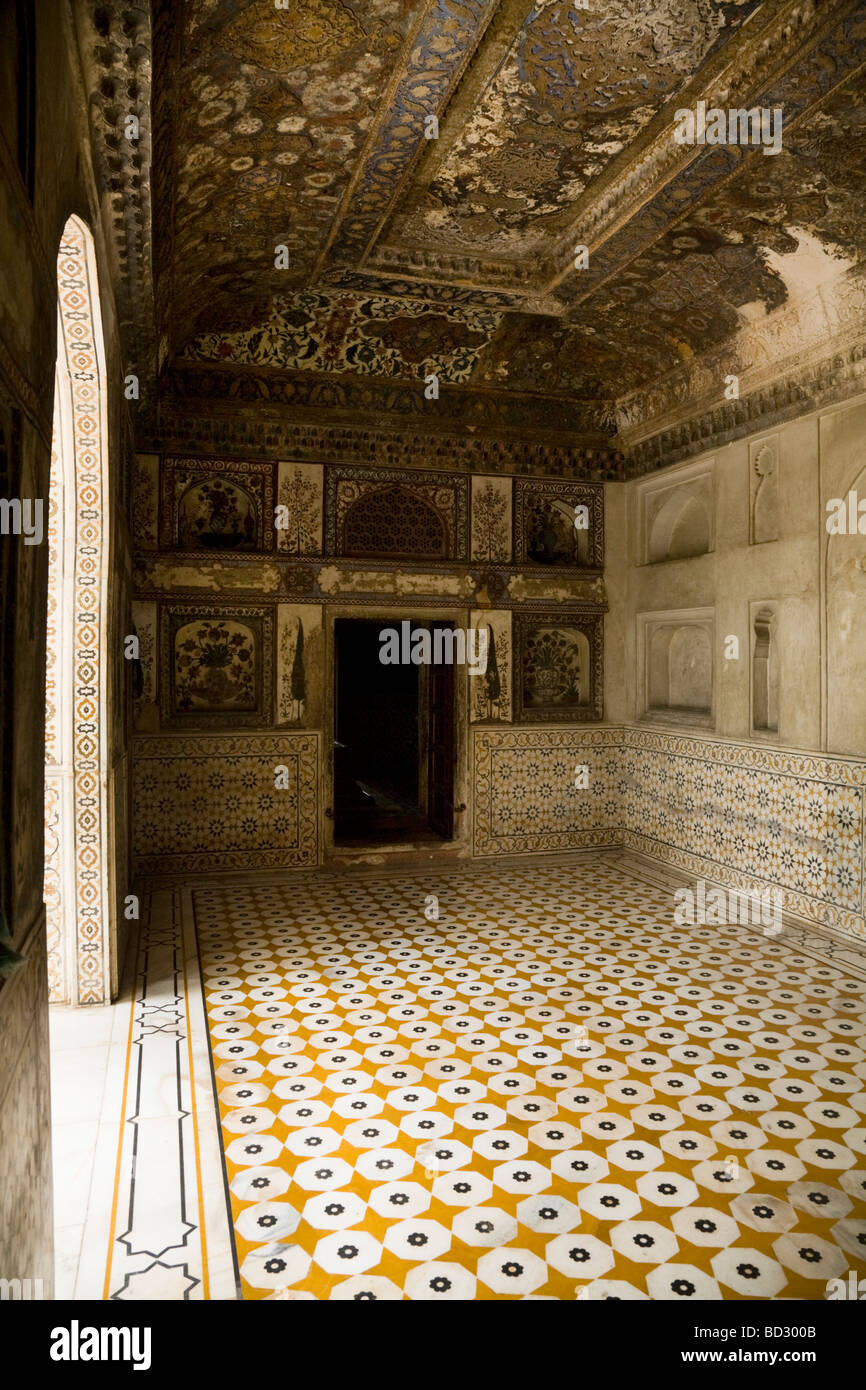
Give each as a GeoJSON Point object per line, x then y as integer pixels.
{"type": "Point", "coordinates": [393, 741]}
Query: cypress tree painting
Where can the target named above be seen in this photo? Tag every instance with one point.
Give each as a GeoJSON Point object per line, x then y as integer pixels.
{"type": "Point", "coordinates": [299, 682]}
{"type": "Point", "coordinates": [493, 687]}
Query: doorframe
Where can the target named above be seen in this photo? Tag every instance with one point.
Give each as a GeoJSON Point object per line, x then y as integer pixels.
{"type": "Point", "coordinates": [391, 615]}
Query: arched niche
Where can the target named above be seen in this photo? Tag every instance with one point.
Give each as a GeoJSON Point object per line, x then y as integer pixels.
{"type": "Point", "coordinates": [680, 528]}
{"type": "Point", "coordinates": [678, 676]}
{"type": "Point", "coordinates": [765, 671]}
{"type": "Point", "coordinates": [215, 667]}
{"type": "Point", "coordinates": [557, 668]}
{"type": "Point", "coordinates": [394, 522]}
{"type": "Point", "coordinates": [217, 514]}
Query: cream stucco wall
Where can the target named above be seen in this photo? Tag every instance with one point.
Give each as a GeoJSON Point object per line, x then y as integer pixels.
{"type": "Point", "coordinates": [817, 582]}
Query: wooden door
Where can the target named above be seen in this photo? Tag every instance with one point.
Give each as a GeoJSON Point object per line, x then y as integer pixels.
{"type": "Point", "coordinates": [441, 750]}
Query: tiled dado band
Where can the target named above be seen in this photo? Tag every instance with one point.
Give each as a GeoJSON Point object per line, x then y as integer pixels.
{"type": "Point", "coordinates": [736, 813]}
{"type": "Point", "coordinates": [225, 801]}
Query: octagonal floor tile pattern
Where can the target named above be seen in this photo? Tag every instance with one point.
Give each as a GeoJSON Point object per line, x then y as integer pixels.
{"type": "Point", "coordinates": [547, 1091]}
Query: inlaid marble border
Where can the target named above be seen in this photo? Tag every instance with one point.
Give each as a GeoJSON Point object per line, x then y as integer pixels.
{"type": "Point", "coordinates": [78, 969]}
{"type": "Point", "coordinates": [169, 1234]}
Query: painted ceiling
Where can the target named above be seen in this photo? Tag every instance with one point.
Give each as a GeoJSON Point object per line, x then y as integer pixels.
{"type": "Point", "coordinates": [305, 224]}
{"type": "Point", "coordinates": [574, 88]}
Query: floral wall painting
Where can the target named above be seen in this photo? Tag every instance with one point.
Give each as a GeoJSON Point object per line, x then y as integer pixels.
{"type": "Point", "coordinates": [216, 515]}
{"type": "Point", "coordinates": [216, 504]}
{"type": "Point", "coordinates": [558, 668]}
{"type": "Point", "coordinates": [216, 665]}
{"type": "Point", "coordinates": [298, 518]}
{"type": "Point", "coordinates": [491, 519]}
{"type": "Point", "coordinates": [299, 665]}
{"type": "Point", "coordinates": [145, 490]}
{"type": "Point", "coordinates": [559, 524]}
{"type": "Point", "coordinates": [490, 692]}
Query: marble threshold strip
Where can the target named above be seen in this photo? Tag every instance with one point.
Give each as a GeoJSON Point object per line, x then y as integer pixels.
{"type": "Point", "coordinates": [161, 1214]}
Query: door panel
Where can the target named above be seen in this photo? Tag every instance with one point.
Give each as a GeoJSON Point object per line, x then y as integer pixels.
{"type": "Point", "coordinates": [440, 802]}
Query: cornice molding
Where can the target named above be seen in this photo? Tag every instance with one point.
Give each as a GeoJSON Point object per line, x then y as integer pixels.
{"type": "Point", "coordinates": [113, 81]}
{"type": "Point", "coordinates": [738, 75]}
{"type": "Point", "coordinates": [202, 427]}
{"type": "Point", "coordinates": [831, 380]}
{"type": "Point", "coordinates": [373, 400]}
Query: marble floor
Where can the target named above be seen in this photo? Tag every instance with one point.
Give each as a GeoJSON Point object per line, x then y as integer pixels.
{"type": "Point", "coordinates": [487, 1081]}
{"type": "Point", "coordinates": [139, 1193]}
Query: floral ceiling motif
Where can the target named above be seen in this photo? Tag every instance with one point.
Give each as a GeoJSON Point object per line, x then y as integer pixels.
{"type": "Point", "coordinates": [576, 87]}
{"type": "Point", "coordinates": [339, 332]}
{"type": "Point", "coordinates": [265, 116]}
{"type": "Point", "coordinates": [312, 220]}
{"type": "Point", "coordinates": [318, 31]}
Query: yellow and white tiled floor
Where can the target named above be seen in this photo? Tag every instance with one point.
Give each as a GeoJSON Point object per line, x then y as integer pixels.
{"type": "Point", "coordinates": [550, 1091]}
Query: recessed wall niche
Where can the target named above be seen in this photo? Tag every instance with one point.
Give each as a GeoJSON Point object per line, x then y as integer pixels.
{"type": "Point", "coordinates": [216, 505]}
{"type": "Point", "coordinates": [675, 654]}
{"type": "Point", "coordinates": [558, 666]}
{"type": "Point", "coordinates": [545, 532]}
{"type": "Point", "coordinates": [676, 515]}
{"type": "Point", "coordinates": [765, 668]}
{"type": "Point", "coordinates": [764, 491]}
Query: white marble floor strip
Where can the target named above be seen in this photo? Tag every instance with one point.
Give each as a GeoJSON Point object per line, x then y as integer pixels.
{"type": "Point", "coordinates": [140, 1207]}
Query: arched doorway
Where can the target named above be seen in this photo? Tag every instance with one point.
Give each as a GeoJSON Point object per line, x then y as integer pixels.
{"type": "Point", "coordinates": [77, 885]}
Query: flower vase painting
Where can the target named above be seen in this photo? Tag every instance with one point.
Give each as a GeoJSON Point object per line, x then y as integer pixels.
{"type": "Point", "coordinates": [217, 515]}
{"type": "Point", "coordinates": [554, 673]}
{"type": "Point", "coordinates": [558, 675]}
{"type": "Point", "coordinates": [215, 665]}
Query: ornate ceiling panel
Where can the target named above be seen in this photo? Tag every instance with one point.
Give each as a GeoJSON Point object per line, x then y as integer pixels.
{"type": "Point", "coordinates": [372, 336]}
{"type": "Point", "coordinates": [265, 112]}
{"type": "Point", "coordinates": [429, 166]}
{"type": "Point", "coordinates": [575, 88]}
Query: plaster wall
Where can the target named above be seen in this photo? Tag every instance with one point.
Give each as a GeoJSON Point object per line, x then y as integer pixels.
{"type": "Point", "coordinates": [681, 801]}
{"type": "Point", "coordinates": [814, 580]}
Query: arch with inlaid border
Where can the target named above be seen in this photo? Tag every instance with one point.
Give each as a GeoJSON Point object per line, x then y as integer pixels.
{"type": "Point", "coordinates": [77, 875]}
